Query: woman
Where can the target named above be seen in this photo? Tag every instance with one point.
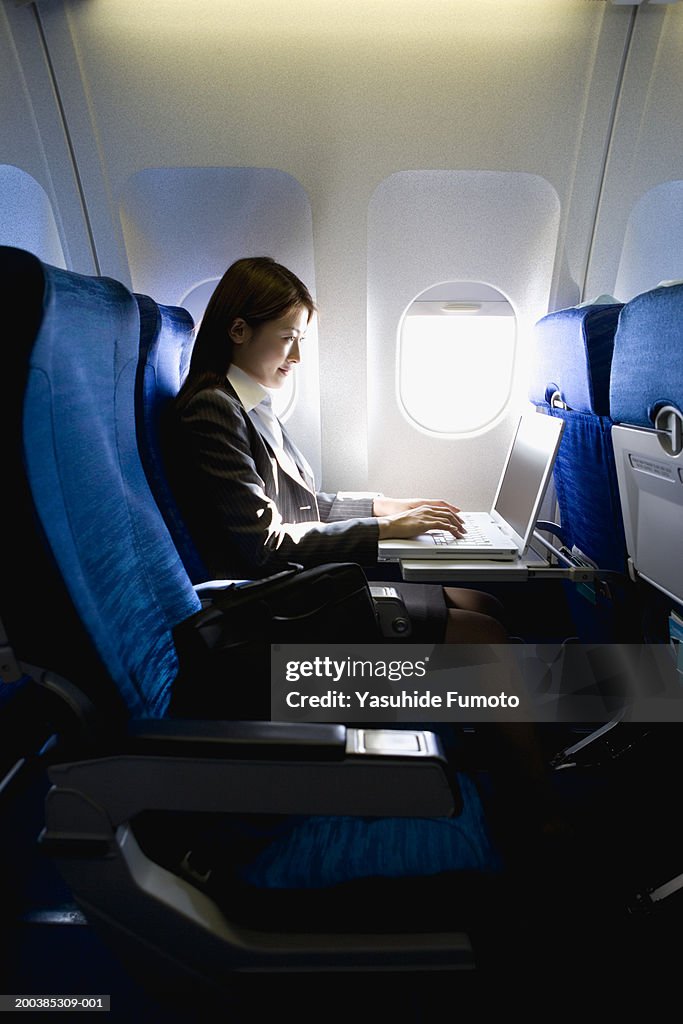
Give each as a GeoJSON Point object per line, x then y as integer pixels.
{"type": "Point", "coordinates": [246, 490]}
{"type": "Point", "coordinates": [249, 496]}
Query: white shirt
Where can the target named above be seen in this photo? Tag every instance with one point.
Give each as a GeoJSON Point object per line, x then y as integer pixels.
{"type": "Point", "coordinates": [258, 405]}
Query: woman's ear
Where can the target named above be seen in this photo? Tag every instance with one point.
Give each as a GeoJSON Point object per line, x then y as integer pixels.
{"type": "Point", "coordinates": [240, 331]}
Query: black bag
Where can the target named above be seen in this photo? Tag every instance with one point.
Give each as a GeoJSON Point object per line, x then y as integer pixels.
{"type": "Point", "coordinates": [224, 649]}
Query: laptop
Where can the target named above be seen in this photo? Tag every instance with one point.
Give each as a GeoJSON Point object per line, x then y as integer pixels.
{"type": "Point", "coordinates": [504, 532]}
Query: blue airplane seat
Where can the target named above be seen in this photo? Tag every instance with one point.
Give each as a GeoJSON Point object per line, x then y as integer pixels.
{"type": "Point", "coordinates": [105, 594]}
{"type": "Point", "coordinates": [90, 491]}
{"type": "Point", "coordinates": [166, 340]}
{"type": "Point", "coordinates": [570, 376]}
{"type": "Point", "coordinates": [46, 623]}
{"type": "Point", "coordinates": [22, 724]}
{"type": "Point", "coordinates": [646, 404]}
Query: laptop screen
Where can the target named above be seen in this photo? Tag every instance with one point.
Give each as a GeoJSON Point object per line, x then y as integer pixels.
{"type": "Point", "coordinates": [527, 471]}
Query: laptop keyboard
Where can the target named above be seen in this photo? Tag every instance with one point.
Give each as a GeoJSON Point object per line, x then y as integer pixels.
{"type": "Point", "coordinates": [474, 537]}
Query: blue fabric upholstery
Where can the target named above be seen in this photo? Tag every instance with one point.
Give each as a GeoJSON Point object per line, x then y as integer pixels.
{"type": "Point", "coordinates": [166, 340]}
{"type": "Point", "coordinates": [587, 491]}
{"type": "Point", "coordinates": [324, 851]}
{"type": "Point", "coordinates": [572, 355]}
{"type": "Point", "coordinates": [572, 351]}
{"type": "Point", "coordinates": [89, 489]}
{"type": "Point", "coordinates": [647, 369]}
{"type": "Point", "coordinates": [38, 615]}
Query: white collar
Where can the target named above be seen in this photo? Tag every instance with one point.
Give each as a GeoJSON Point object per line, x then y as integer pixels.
{"type": "Point", "coordinates": [249, 391]}
{"type": "Point", "coordinates": [251, 394]}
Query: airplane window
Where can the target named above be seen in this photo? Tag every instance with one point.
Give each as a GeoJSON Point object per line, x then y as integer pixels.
{"type": "Point", "coordinates": [455, 359]}
{"type": "Point", "coordinates": [26, 217]}
{"type": "Point", "coordinates": [183, 226]}
{"type": "Point", "coordinates": [652, 242]}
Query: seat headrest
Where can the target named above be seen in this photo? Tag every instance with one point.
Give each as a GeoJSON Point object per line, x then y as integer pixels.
{"type": "Point", "coordinates": [647, 368]}
{"type": "Point", "coordinates": [572, 355]}
{"type": "Point", "coordinates": [98, 515]}
{"type": "Point", "coordinates": [171, 360]}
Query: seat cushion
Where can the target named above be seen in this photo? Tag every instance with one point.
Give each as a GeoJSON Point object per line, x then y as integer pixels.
{"type": "Point", "coordinates": [322, 851]}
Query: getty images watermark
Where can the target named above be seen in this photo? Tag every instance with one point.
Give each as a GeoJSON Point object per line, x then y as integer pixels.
{"type": "Point", "coordinates": [475, 683]}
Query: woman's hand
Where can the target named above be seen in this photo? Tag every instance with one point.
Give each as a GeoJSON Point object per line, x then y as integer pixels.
{"type": "Point", "coordinates": [408, 517]}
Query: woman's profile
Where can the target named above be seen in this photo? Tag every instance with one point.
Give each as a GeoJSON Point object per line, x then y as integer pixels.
{"type": "Point", "coordinates": [245, 487]}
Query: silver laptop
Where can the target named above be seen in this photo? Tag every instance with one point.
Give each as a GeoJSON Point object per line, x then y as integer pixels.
{"type": "Point", "coordinates": [505, 531]}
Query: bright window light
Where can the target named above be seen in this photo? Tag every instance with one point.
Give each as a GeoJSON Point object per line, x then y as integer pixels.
{"type": "Point", "coordinates": [455, 365]}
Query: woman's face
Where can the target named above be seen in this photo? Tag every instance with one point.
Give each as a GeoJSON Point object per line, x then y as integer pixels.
{"type": "Point", "coordinates": [268, 353]}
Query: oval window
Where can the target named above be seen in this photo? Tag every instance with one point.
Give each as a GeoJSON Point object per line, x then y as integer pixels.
{"type": "Point", "coordinates": [455, 358]}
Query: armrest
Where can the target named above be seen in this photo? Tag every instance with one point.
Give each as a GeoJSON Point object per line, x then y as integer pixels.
{"type": "Point", "coordinates": [211, 588]}
{"type": "Point", "coordinates": [119, 886]}
{"type": "Point", "coordinates": [283, 741]}
{"type": "Point", "coordinates": [378, 772]}
{"type": "Point", "coordinates": [553, 528]}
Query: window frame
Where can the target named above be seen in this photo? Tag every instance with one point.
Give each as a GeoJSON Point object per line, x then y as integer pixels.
{"type": "Point", "coordinates": [462, 306]}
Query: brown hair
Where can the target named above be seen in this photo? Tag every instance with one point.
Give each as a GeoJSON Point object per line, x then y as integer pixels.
{"type": "Point", "coordinates": [255, 289]}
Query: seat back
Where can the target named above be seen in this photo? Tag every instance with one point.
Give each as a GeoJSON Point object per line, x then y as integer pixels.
{"type": "Point", "coordinates": [105, 586]}
{"type": "Point", "coordinates": [646, 402]}
{"type": "Point", "coordinates": [570, 380]}
{"type": "Point", "coordinates": [166, 340]}
{"type": "Point", "coordinates": [38, 621]}
{"type": "Point", "coordinates": [571, 365]}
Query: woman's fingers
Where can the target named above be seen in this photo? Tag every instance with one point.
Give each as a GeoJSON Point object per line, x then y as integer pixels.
{"type": "Point", "coordinates": [445, 506]}
{"type": "Point", "coordinates": [439, 519]}
{"type": "Point", "coordinates": [420, 519]}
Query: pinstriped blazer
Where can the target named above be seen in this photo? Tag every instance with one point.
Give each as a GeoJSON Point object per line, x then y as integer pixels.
{"type": "Point", "coordinates": [248, 516]}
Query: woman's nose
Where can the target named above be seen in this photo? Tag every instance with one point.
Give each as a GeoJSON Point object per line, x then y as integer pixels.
{"type": "Point", "coordinates": [294, 356]}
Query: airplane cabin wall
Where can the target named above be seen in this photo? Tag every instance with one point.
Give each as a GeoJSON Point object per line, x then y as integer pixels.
{"type": "Point", "coordinates": [551, 126]}
{"type": "Point", "coordinates": [639, 229]}
{"type": "Point", "coordinates": [34, 151]}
